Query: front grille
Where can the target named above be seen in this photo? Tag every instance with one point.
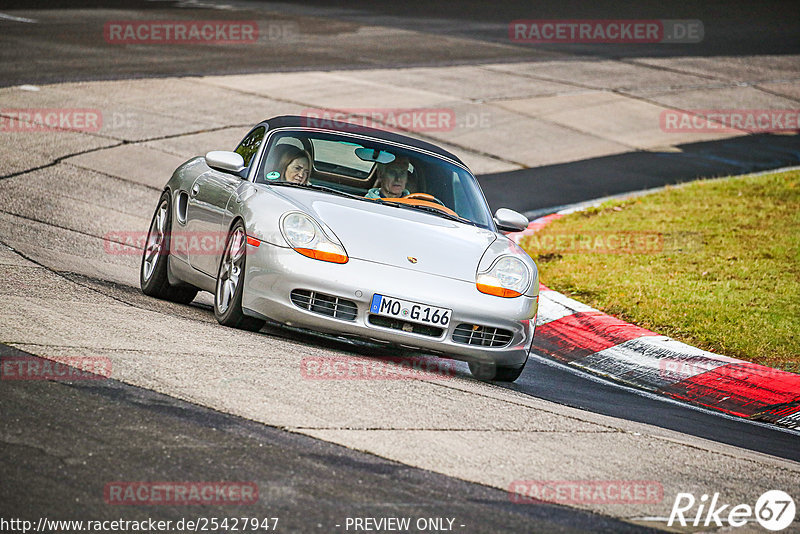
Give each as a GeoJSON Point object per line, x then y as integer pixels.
{"type": "Point", "coordinates": [405, 326]}
{"type": "Point", "coordinates": [485, 336]}
{"type": "Point", "coordinates": [323, 304]}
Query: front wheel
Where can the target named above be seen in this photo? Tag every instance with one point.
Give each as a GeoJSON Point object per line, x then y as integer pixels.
{"type": "Point", "coordinates": [230, 283]}
{"type": "Point", "coordinates": [494, 372]}
{"type": "Point", "coordinates": [153, 277]}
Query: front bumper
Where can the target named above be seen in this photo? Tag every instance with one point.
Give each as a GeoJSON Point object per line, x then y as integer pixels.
{"type": "Point", "coordinates": [274, 272]}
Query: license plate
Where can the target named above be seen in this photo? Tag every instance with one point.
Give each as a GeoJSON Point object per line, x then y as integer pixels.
{"type": "Point", "coordinates": [410, 311]}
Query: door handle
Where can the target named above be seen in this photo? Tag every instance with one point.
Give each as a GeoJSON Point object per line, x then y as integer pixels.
{"type": "Point", "coordinates": [244, 195]}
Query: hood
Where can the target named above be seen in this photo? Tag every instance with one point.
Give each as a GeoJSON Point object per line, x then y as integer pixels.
{"type": "Point", "coordinates": [388, 234]}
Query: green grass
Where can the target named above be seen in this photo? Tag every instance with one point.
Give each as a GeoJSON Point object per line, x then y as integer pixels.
{"type": "Point", "coordinates": [722, 272]}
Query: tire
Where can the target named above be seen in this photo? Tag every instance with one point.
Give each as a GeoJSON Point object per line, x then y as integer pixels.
{"type": "Point", "coordinates": [230, 283]}
{"type": "Point", "coordinates": [153, 270]}
{"type": "Point", "coordinates": [496, 373]}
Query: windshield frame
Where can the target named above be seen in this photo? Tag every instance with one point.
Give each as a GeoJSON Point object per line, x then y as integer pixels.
{"type": "Point", "coordinates": [309, 131]}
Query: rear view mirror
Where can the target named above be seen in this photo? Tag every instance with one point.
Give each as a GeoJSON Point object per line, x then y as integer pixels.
{"type": "Point", "coordinates": [225, 161]}
{"type": "Point", "coordinates": [510, 221]}
{"type": "Point", "coordinates": [371, 154]}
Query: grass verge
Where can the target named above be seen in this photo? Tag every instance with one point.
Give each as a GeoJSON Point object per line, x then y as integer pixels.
{"type": "Point", "coordinates": [713, 263]}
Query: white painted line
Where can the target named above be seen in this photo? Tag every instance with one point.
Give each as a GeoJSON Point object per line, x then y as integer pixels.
{"type": "Point", "coordinates": [553, 306]}
{"type": "Point", "coordinates": [652, 361]}
{"type": "Point", "coordinates": [790, 420]}
{"type": "Point", "coordinates": [3, 16]}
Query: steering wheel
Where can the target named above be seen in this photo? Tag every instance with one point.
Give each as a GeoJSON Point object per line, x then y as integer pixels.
{"type": "Point", "coordinates": [423, 196]}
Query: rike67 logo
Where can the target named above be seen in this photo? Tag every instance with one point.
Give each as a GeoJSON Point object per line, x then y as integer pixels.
{"type": "Point", "coordinates": [774, 510]}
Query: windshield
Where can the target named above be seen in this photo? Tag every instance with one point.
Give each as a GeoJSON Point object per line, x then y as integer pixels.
{"type": "Point", "coordinates": [374, 171]}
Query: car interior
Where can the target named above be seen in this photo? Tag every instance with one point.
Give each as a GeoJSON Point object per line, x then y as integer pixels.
{"type": "Point", "coordinates": [352, 168]}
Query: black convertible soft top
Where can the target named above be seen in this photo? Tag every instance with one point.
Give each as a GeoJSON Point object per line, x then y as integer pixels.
{"type": "Point", "coordinates": [289, 121]}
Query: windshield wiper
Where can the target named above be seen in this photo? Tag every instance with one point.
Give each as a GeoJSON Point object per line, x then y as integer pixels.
{"type": "Point", "coordinates": [319, 188]}
{"type": "Point", "coordinates": [332, 190]}
{"type": "Point", "coordinates": [431, 209]}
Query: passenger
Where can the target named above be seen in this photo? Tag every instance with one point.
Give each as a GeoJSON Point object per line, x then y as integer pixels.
{"type": "Point", "coordinates": [391, 181]}
{"type": "Point", "coordinates": [293, 165]}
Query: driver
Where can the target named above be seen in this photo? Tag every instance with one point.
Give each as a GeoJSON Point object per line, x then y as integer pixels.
{"type": "Point", "coordinates": [392, 180]}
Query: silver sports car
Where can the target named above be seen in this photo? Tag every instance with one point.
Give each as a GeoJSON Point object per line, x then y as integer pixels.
{"type": "Point", "coordinates": [350, 231]}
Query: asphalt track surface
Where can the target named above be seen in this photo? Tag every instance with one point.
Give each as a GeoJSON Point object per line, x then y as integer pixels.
{"type": "Point", "coordinates": [67, 49]}
{"type": "Point", "coordinates": [67, 439]}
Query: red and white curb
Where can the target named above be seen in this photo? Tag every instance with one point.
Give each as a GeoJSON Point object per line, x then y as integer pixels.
{"type": "Point", "coordinates": [583, 337]}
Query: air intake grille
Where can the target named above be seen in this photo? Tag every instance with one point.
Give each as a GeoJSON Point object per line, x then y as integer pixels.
{"type": "Point", "coordinates": [323, 304]}
{"type": "Point", "coordinates": [397, 324]}
{"type": "Point", "coordinates": [485, 336]}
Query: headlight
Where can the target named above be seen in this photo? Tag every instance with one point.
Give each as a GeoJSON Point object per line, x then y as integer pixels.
{"type": "Point", "coordinates": [299, 229]}
{"type": "Point", "coordinates": [306, 236]}
{"type": "Point", "coordinates": [508, 277]}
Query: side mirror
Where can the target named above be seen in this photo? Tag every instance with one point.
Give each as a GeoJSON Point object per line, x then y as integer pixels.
{"type": "Point", "coordinates": [510, 221]}
{"type": "Point", "coordinates": [225, 161]}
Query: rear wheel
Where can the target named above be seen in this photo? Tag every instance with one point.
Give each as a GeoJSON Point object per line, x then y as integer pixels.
{"type": "Point", "coordinates": [153, 272]}
{"type": "Point", "coordinates": [230, 283]}
{"type": "Point", "coordinates": [494, 372]}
